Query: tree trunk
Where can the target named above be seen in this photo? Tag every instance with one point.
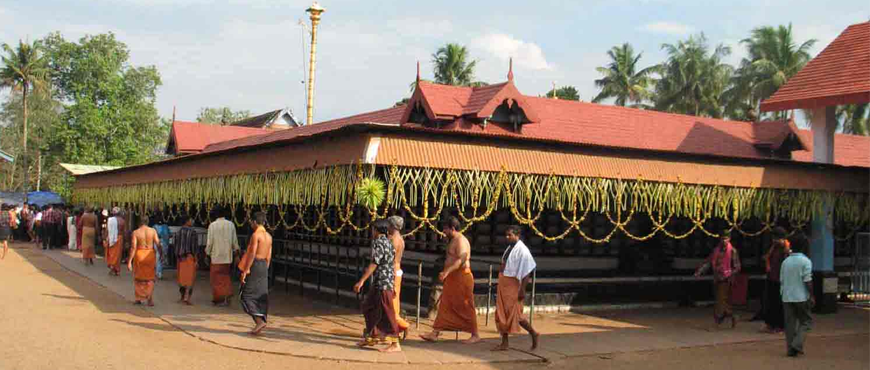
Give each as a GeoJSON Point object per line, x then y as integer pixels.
{"type": "Point", "coordinates": [38, 170]}
{"type": "Point", "coordinates": [24, 144]}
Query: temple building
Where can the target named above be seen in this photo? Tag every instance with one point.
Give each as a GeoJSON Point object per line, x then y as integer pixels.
{"type": "Point", "coordinates": [614, 199]}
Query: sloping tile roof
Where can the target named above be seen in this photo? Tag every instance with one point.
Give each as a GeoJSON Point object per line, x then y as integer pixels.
{"type": "Point", "coordinates": [258, 121]}
{"type": "Point", "coordinates": [839, 75]}
{"type": "Point", "coordinates": [580, 123]}
{"type": "Point", "coordinates": [385, 116]}
{"type": "Point", "coordinates": [193, 137]}
{"type": "Point", "coordinates": [849, 150]}
{"type": "Point", "coordinates": [84, 169]}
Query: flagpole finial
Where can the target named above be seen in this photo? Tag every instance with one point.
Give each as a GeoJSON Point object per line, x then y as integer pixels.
{"type": "Point", "coordinates": [510, 75]}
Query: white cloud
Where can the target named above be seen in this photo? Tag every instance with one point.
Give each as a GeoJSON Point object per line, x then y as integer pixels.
{"type": "Point", "coordinates": [668, 28]}
{"type": "Point", "coordinates": [525, 54]}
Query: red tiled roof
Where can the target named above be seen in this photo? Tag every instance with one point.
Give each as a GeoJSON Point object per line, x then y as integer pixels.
{"type": "Point", "coordinates": [580, 123]}
{"type": "Point", "coordinates": [384, 116]}
{"type": "Point", "coordinates": [193, 137]}
{"type": "Point", "coordinates": [849, 150]}
{"type": "Point", "coordinates": [839, 75]}
{"type": "Point", "coordinates": [571, 122]}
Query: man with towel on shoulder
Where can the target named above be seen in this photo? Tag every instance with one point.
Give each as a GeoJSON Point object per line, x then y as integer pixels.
{"type": "Point", "coordinates": [514, 275]}
{"type": "Point", "coordinates": [114, 241]}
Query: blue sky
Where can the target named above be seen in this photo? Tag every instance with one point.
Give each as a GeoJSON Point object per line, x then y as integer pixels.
{"type": "Point", "coordinates": [247, 54]}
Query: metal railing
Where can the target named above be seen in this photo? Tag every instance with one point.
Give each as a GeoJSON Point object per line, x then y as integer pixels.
{"type": "Point", "coordinates": [860, 276]}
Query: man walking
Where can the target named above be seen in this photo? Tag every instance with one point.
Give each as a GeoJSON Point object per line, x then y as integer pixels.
{"type": "Point", "coordinates": [395, 236]}
{"type": "Point", "coordinates": [72, 241]}
{"type": "Point", "coordinates": [222, 245]}
{"type": "Point", "coordinates": [114, 242]}
{"type": "Point", "coordinates": [185, 253]}
{"type": "Point", "coordinates": [254, 267]}
{"type": "Point", "coordinates": [50, 220]}
{"type": "Point", "coordinates": [89, 236]}
{"type": "Point", "coordinates": [377, 308]}
{"type": "Point", "coordinates": [725, 263]}
{"type": "Point", "coordinates": [796, 279]}
{"type": "Point", "coordinates": [143, 257]}
{"type": "Point", "coordinates": [515, 272]}
{"type": "Point", "coordinates": [456, 311]}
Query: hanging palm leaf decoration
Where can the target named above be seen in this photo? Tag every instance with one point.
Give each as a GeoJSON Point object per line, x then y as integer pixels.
{"type": "Point", "coordinates": [371, 193]}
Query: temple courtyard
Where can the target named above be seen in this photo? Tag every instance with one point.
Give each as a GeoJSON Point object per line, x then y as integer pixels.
{"type": "Point", "coordinates": [59, 314]}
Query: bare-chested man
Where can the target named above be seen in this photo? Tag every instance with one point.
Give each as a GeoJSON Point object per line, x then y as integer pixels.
{"type": "Point", "coordinates": [396, 225]}
{"type": "Point", "coordinates": [89, 235]}
{"type": "Point", "coordinates": [255, 273]}
{"type": "Point", "coordinates": [456, 311]}
{"type": "Point", "coordinates": [143, 261]}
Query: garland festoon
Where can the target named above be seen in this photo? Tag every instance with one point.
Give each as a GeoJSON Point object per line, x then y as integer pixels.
{"type": "Point", "coordinates": [309, 196]}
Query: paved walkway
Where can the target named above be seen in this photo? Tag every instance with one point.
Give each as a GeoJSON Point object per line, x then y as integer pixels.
{"type": "Point", "coordinates": [305, 328]}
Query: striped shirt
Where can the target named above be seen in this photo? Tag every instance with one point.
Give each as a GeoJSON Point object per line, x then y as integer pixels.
{"type": "Point", "coordinates": [185, 242]}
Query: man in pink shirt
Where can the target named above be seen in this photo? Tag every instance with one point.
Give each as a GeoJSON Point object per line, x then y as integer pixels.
{"type": "Point", "coordinates": [725, 263]}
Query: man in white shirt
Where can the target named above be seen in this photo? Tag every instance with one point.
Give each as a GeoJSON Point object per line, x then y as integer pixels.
{"type": "Point", "coordinates": [517, 265]}
{"type": "Point", "coordinates": [222, 246]}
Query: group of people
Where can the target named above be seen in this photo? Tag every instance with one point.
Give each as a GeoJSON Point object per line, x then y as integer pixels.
{"type": "Point", "coordinates": [456, 309]}
{"type": "Point", "coordinates": [787, 302]}
{"type": "Point", "coordinates": [148, 251]}
{"type": "Point", "coordinates": [46, 225]}
{"type": "Point", "coordinates": [788, 297]}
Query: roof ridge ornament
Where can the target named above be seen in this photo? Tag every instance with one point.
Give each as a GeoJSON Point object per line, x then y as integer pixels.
{"type": "Point", "coordinates": [510, 75]}
{"type": "Point", "coordinates": [418, 73]}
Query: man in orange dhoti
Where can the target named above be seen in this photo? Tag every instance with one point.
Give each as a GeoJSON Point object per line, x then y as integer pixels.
{"type": "Point", "coordinates": [516, 269]}
{"type": "Point", "coordinates": [143, 261]}
{"type": "Point", "coordinates": [89, 236]}
{"type": "Point", "coordinates": [396, 224]}
{"type": "Point", "coordinates": [114, 241]}
{"type": "Point", "coordinates": [185, 253]}
{"type": "Point", "coordinates": [456, 311]}
{"type": "Point", "coordinates": [221, 248]}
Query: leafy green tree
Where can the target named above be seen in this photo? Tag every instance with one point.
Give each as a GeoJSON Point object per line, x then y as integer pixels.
{"type": "Point", "coordinates": [221, 115]}
{"type": "Point", "coordinates": [24, 69]}
{"type": "Point", "coordinates": [564, 93]}
{"type": "Point", "coordinates": [44, 111]}
{"type": "Point", "coordinates": [110, 117]}
{"type": "Point", "coordinates": [453, 66]}
{"type": "Point", "coordinates": [622, 80]}
{"type": "Point", "coordinates": [693, 78]}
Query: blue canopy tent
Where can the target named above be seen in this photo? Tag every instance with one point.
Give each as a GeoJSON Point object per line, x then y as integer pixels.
{"type": "Point", "coordinates": [39, 198]}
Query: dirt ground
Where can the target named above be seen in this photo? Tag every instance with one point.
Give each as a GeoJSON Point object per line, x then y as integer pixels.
{"type": "Point", "coordinates": [51, 318]}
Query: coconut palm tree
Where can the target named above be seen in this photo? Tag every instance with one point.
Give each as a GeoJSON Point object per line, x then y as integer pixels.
{"type": "Point", "coordinates": [24, 69]}
{"type": "Point", "coordinates": [694, 78]}
{"type": "Point", "coordinates": [854, 119]}
{"type": "Point", "coordinates": [453, 67]}
{"type": "Point", "coordinates": [622, 80]}
{"type": "Point", "coordinates": [775, 57]}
